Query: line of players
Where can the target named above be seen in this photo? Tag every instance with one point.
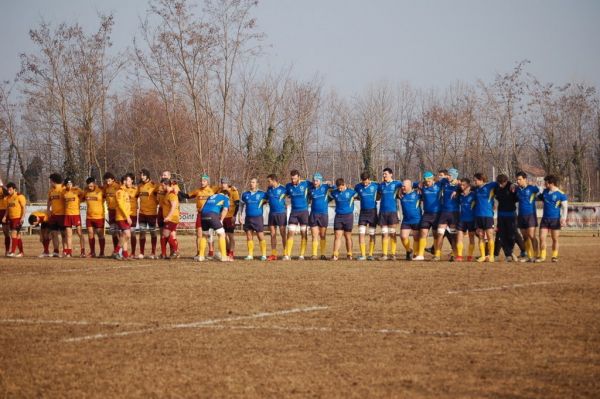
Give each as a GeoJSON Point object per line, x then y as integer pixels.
{"type": "Point", "coordinates": [447, 206]}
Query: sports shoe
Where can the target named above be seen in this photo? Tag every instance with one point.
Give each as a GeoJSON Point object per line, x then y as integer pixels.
{"type": "Point", "coordinates": [175, 255]}
{"type": "Point", "coordinates": [458, 259]}
{"type": "Point", "coordinates": [272, 257]}
{"type": "Point", "coordinates": [419, 257]}
{"type": "Point", "coordinates": [285, 257]}
{"type": "Point", "coordinates": [44, 255]}
{"type": "Point", "coordinates": [393, 257]}
{"type": "Point", "coordinates": [361, 258]}
{"type": "Point", "coordinates": [226, 259]}
{"type": "Point", "coordinates": [199, 258]}
{"type": "Point", "coordinates": [429, 250]}
{"type": "Point", "coordinates": [55, 255]}
{"type": "Point", "coordinates": [140, 256]}
{"type": "Point", "coordinates": [409, 255]}
{"type": "Point", "coordinates": [19, 255]}
{"type": "Point", "coordinates": [491, 259]}
{"type": "Point", "coordinates": [524, 259]}
{"type": "Point", "coordinates": [10, 255]}
{"type": "Point", "coordinates": [349, 257]}
{"type": "Point", "coordinates": [481, 259]}
{"type": "Point", "coordinates": [249, 257]}
{"type": "Point", "coordinates": [469, 259]}
{"type": "Point", "coordinates": [323, 257]}
{"type": "Point", "coordinates": [554, 259]}
{"type": "Point", "coordinates": [314, 257]}
{"type": "Point", "coordinates": [300, 257]}
{"type": "Point", "coordinates": [383, 258]}
{"type": "Point", "coordinates": [334, 258]}
{"type": "Point", "coordinates": [523, 254]}
{"type": "Point", "coordinates": [540, 260]}
{"type": "Point", "coordinates": [370, 257]}
{"type": "Point", "coordinates": [263, 258]}
{"type": "Point", "coordinates": [451, 259]}
{"type": "Point", "coordinates": [509, 259]}
{"type": "Point", "coordinates": [436, 259]}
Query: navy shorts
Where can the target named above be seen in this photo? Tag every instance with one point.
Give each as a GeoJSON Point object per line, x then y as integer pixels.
{"type": "Point", "coordinates": [211, 221]}
{"type": "Point", "coordinates": [343, 222]}
{"type": "Point", "coordinates": [466, 226]}
{"type": "Point", "coordinates": [484, 222]}
{"type": "Point", "coordinates": [449, 218]}
{"type": "Point", "coordinates": [527, 221]}
{"type": "Point", "coordinates": [388, 218]}
{"type": "Point", "coordinates": [318, 220]}
{"type": "Point", "coordinates": [430, 220]}
{"type": "Point", "coordinates": [277, 219]}
{"type": "Point", "coordinates": [410, 226]}
{"type": "Point", "coordinates": [254, 223]}
{"type": "Point", "coordinates": [229, 225]}
{"type": "Point", "coordinates": [550, 223]}
{"type": "Point", "coordinates": [368, 217]}
{"type": "Point", "coordinates": [299, 218]}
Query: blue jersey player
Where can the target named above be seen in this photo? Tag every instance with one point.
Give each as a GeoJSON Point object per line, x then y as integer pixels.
{"type": "Point", "coordinates": [466, 220]}
{"type": "Point", "coordinates": [276, 197]}
{"type": "Point", "coordinates": [367, 192]}
{"type": "Point", "coordinates": [432, 206]}
{"type": "Point", "coordinates": [213, 212]}
{"type": "Point", "coordinates": [297, 191]}
{"type": "Point", "coordinates": [253, 202]}
{"type": "Point", "coordinates": [449, 212]}
{"type": "Point", "coordinates": [389, 191]}
{"type": "Point", "coordinates": [556, 208]}
{"type": "Point", "coordinates": [527, 215]}
{"type": "Point", "coordinates": [318, 219]}
{"type": "Point", "coordinates": [344, 217]}
{"type": "Point", "coordinates": [410, 201]}
{"type": "Point", "coordinates": [484, 215]}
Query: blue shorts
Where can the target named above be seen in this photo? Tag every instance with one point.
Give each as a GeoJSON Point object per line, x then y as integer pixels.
{"type": "Point", "coordinates": [254, 223]}
{"type": "Point", "coordinates": [343, 222]}
{"type": "Point", "coordinates": [410, 226]}
{"type": "Point", "coordinates": [527, 221]}
{"type": "Point", "coordinates": [429, 221]}
{"type": "Point", "coordinates": [484, 222]}
{"type": "Point", "coordinates": [388, 218]}
{"type": "Point", "coordinates": [318, 220]}
{"type": "Point", "coordinates": [550, 223]}
{"type": "Point", "coordinates": [211, 221]}
{"type": "Point", "coordinates": [449, 218]}
{"type": "Point", "coordinates": [299, 218]}
{"type": "Point", "coordinates": [368, 217]}
{"type": "Point", "coordinates": [466, 226]}
{"type": "Point", "coordinates": [277, 219]}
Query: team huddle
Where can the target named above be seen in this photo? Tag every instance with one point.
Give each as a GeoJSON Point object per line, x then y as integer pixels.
{"type": "Point", "coordinates": [449, 207]}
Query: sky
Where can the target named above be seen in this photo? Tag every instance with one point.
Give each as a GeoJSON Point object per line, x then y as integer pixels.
{"type": "Point", "coordinates": [352, 44]}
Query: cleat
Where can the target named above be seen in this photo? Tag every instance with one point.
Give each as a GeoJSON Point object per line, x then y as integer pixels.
{"type": "Point", "coordinates": [469, 259]}
{"type": "Point", "coordinates": [334, 258]}
{"type": "Point", "coordinates": [361, 258]}
{"type": "Point", "coordinates": [285, 257]}
{"type": "Point", "coordinates": [263, 258]}
{"type": "Point", "coordinates": [409, 255]}
{"type": "Point", "coordinates": [349, 257]}
{"type": "Point", "coordinates": [19, 255]}
{"type": "Point", "coordinates": [523, 254]}
{"type": "Point", "coordinates": [451, 259]}
{"type": "Point", "coordinates": [272, 258]}
{"type": "Point", "coordinates": [531, 260]}
{"type": "Point", "coordinates": [436, 259]}
{"type": "Point", "coordinates": [458, 259]}
{"type": "Point", "coordinates": [323, 257]}
{"type": "Point", "coordinates": [249, 257]}
{"type": "Point", "coordinates": [301, 257]}
{"type": "Point", "coordinates": [140, 256]}
{"type": "Point", "coordinates": [509, 259]}
{"type": "Point", "coordinates": [226, 259]}
{"type": "Point", "coordinates": [481, 259]}
{"type": "Point", "coordinates": [44, 255]}
{"type": "Point", "coordinates": [199, 258]}
{"type": "Point", "coordinates": [10, 255]}
{"type": "Point", "coordinates": [554, 259]}
{"type": "Point", "coordinates": [383, 258]}
{"type": "Point", "coordinates": [55, 255]}
{"type": "Point", "coordinates": [370, 257]}
{"type": "Point", "coordinates": [429, 250]}
{"type": "Point", "coordinates": [491, 259]}
{"type": "Point", "coordinates": [175, 255]}
{"type": "Point", "coordinates": [314, 257]}
{"type": "Point", "coordinates": [393, 257]}
{"type": "Point", "coordinates": [419, 257]}
{"type": "Point", "coordinates": [540, 260]}
{"type": "Point", "coordinates": [524, 259]}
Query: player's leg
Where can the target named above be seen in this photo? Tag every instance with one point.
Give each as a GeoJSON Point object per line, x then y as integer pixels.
{"type": "Point", "coordinates": [165, 234]}
{"type": "Point", "coordinates": [348, 237]}
{"type": "Point", "coordinates": [460, 244]}
{"type": "Point", "coordinates": [91, 239]}
{"type": "Point", "coordinates": [303, 240]}
{"type": "Point", "coordinates": [199, 236]}
{"type": "Point", "coordinates": [249, 244]}
{"type": "Point", "coordinates": [79, 232]}
{"type": "Point", "coordinates": [555, 234]}
{"type": "Point", "coordinates": [291, 232]}
{"type": "Point", "coordinates": [69, 241]}
{"type": "Point", "coordinates": [7, 236]}
{"type": "Point", "coordinates": [423, 232]}
{"type": "Point", "coordinates": [14, 243]}
{"type": "Point", "coordinates": [481, 239]}
{"type": "Point", "coordinates": [323, 241]}
{"type": "Point", "coordinates": [125, 238]}
{"type": "Point", "coordinates": [337, 242]}
{"type": "Point", "coordinates": [101, 240]}
{"type": "Point", "coordinates": [385, 242]}
{"type": "Point", "coordinates": [362, 241]}
{"type": "Point", "coordinates": [262, 242]}
{"type": "Point", "coordinates": [393, 240]}
{"type": "Point", "coordinates": [19, 241]}
{"type": "Point", "coordinates": [542, 246]}
{"type": "Point", "coordinates": [45, 240]}
{"type": "Point", "coordinates": [314, 232]}
{"type": "Point", "coordinates": [438, 241]}
{"type": "Point", "coordinates": [405, 232]}
{"type": "Point", "coordinates": [490, 235]}
{"type": "Point", "coordinates": [273, 233]}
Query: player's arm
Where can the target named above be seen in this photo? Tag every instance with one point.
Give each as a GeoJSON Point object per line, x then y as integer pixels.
{"type": "Point", "coordinates": [23, 208]}
{"type": "Point", "coordinates": [564, 211]}
{"type": "Point", "coordinates": [121, 205]}
{"type": "Point", "coordinates": [223, 213]}
{"type": "Point", "coordinates": [171, 211]}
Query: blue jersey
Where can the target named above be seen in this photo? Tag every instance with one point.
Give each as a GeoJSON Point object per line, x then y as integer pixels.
{"type": "Point", "coordinates": [526, 197]}
{"type": "Point", "coordinates": [215, 204]}
{"type": "Point", "coordinates": [450, 202]}
{"type": "Point", "coordinates": [298, 194]}
{"type": "Point", "coordinates": [367, 195]}
{"type": "Point", "coordinates": [552, 202]}
{"type": "Point", "coordinates": [484, 207]}
{"type": "Point", "coordinates": [254, 202]}
{"type": "Point", "coordinates": [276, 198]}
{"type": "Point", "coordinates": [411, 207]}
{"type": "Point", "coordinates": [344, 201]}
{"type": "Point", "coordinates": [467, 206]}
{"type": "Point", "coordinates": [432, 197]}
{"type": "Point", "coordinates": [388, 192]}
{"type": "Point", "coordinates": [319, 199]}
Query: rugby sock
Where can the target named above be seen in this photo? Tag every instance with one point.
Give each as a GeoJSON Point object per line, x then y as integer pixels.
{"type": "Point", "coordinates": [315, 247]}
{"type": "Point", "coordinates": [336, 254]}
{"type": "Point", "coordinates": [15, 243]}
{"type": "Point", "coordinates": [422, 245]}
{"type": "Point", "coordinates": [274, 252]}
{"type": "Point", "coordinates": [133, 244]}
{"type": "Point", "coordinates": [384, 245]}
{"type": "Point", "coordinates": [406, 243]}
{"type": "Point", "coordinates": [529, 248]}
{"type": "Point", "coordinates": [92, 242]}
{"type": "Point", "coordinates": [153, 241]}
{"type": "Point", "coordinates": [202, 246]}
{"type": "Point", "coordinates": [482, 248]}
{"type": "Point", "coordinates": [102, 243]}
{"type": "Point", "coordinates": [323, 246]}
{"type": "Point", "coordinates": [491, 245]}
{"type": "Point", "coordinates": [303, 242]}
{"type": "Point", "coordinates": [115, 243]}
{"type": "Point", "coordinates": [459, 248]}
{"type": "Point", "coordinates": [363, 250]}
{"type": "Point", "coordinates": [438, 253]}
{"type": "Point", "coordinates": [125, 254]}
{"type": "Point", "coordinates": [163, 246]}
{"type": "Point", "coordinates": [415, 246]}
{"type": "Point", "coordinates": [288, 247]}
{"type": "Point", "coordinates": [471, 249]}
{"type": "Point", "coordinates": [372, 247]}
{"type": "Point", "coordinates": [555, 253]}
{"type": "Point", "coordinates": [263, 247]}
{"type": "Point", "coordinates": [223, 246]}
{"type": "Point", "coordinates": [20, 244]}
{"type": "Point", "coordinates": [250, 244]}
{"type": "Point", "coordinates": [6, 243]}
{"type": "Point", "coordinates": [142, 245]}
{"type": "Point", "coordinates": [46, 244]}
{"type": "Point", "coordinates": [543, 254]}
{"type": "Point", "coordinates": [173, 244]}
{"type": "Point", "coordinates": [393, 245]}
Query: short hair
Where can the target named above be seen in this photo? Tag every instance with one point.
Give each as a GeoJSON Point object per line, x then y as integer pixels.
{"type": "Point", "coordinates": [521, 174]}
{"type": "Point", "coordinates": [294, 172]}
{"type": "Point", "coordinates": [32, 219]}
{"type": "Point", "coordinates": [340, 182]}
{"type": "Point", "coordinates": [90, 180]}
{"type": "Point", "coordinates": [164, 180]}
{"type": "Point", "coordinates": [11, 185]}
{"type": "Point", "coordinates": [108, 175]}
{"type": "Point", "coordinates": [551, 179]}
{"type": "Point", "coordinates": [365, 175]}
{"type": "Point", "coordinates": [389, 170]}
{"type": "Point", "coordinates": [444, 171]}
{"type": "Point", "coordinates": [122, 179]}
{"type": "Point", "coordinates": [501, 178]}
{"type": "Point", "coordinates": [465, 180]}
{"type": "Point", "coordinates": [272, 176]}
{"type": "Point", "coordinates": [480, 176]}
{"type": "Point", "coordinates": [145, 172]}
{"type": "Point", "coordinates": [56, 178]}
{"type": "Point", "coordinates": [129, 174]}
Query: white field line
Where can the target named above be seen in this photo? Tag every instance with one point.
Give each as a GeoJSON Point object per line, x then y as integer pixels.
{"type": "Point", "coordinates": [338, 330]}
{"type": "Point", "coordinates": [504, 287]}
{"type": "Point", "coordinates": [69, 322]}
{"type": "Point", "coordinates": [198, 324]}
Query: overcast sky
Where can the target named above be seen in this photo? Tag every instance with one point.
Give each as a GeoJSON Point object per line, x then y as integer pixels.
{"type": "Point", "coordinates": [352, 43]}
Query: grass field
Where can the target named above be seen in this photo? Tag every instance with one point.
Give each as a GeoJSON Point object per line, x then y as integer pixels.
{"type": "Point", "coordinates": [102, 328]}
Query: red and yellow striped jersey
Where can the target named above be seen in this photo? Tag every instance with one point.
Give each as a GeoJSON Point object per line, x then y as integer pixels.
{"type": "Point", "coordinates": [123, 204]}
{"type": "Point", "coordinates": [147, 193]}
{"type": "Point", "coordinates": [72, 201]}
{"type": "Point", "coordinates": [15, 206]}
{"type": "Point", "coordinates": [166, 206]}
{"type": "Point", "coordinates": [95, 203]}
{"type": "Point", "coordinates": [57, 204]}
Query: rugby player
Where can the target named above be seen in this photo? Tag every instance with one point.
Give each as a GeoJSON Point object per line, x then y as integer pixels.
{"type": "Point", "coordinates": [556, 208]}
{"type": "Point", "coordinates": [484, 215]}
{"type": "Point", "coordinates": [94, 220]}
{"type": "Point", "coordinates": [297, 190]}
{"type": "Point", "coordinates": [344, 217]}
{"type": "Point", "coordinates": [56, 208]}
{"type": "Point", "coordinates": [388, 192]}
{"type": "Point", "coordinates": [214, 212]}
{"type": "Point", "coordinates": [319, 214]}
{"type": "Point", "coordinates": [506, 235]}
{"type": "Point", "coordinates": [276, 194]}
{"type": "Point", "coordinates": [253, 202]}
{"type": "Point", "coordinates": [450, 212]}
{"type": "Point", "coordinates": [466, 220]}
{"type": "Point", "coordinates": [170, 210]}
{"type": "Point", "coordinates": [410, 201]}
{"type": "Point", "coordinates": [527, 217]}
{"type": "Point", "coordinates": [147, 191]}
{"type": "Point", "coordinates": [133, 193]}
{"type": "Point", "coordinates": [367, 218]}
{"type": "Point", "coordinates": [41, 218]}
{"type": "Point", "coordinates": [14, 217]}
{"type": "Point", "coordinates": [160, 194]}
{"type": "Point", "coordinates": [431, 195]}
{"type": "Point", "coordinates": [229, 221]}
{"type": "Point", "coordinates": [5, 227]}
{"type": "Point", "coordinates": [72, 199]}
{"type": "Point", "coordinates": [110, 189]}
{"type": "Point", "coordinates": [201, 194]}
{"type": "Point", "coordinates": [123, 220]}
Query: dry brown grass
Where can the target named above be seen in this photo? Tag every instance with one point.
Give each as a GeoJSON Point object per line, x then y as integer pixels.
{"type": "Point", "coordinates": [393, 329]}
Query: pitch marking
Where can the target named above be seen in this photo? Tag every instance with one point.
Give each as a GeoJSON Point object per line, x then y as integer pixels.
{"type": "Point", "coordinates": [69, 322]}
{"type": "Point", "coordinates": [503, 287]}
